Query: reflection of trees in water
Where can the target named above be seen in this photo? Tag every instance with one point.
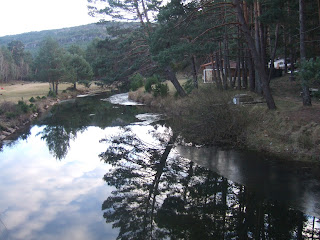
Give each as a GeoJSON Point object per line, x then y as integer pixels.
{"type": "Point", "coordinates": [58, 139]}
{"type": "Point", "coordinates": [165, 197]}
{"type": "Point", "coordinates": [14, 138]}
{"type": "Point", "coordinates": [69, 118]}
{"type": "Point", "coordinates": [3, 229]}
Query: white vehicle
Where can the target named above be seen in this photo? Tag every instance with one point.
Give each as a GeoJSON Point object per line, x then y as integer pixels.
{"type": "Point", "coordinates": [280, 63]}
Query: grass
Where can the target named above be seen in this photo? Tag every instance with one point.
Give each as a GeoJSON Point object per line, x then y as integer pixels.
{"type": "Point", "coordinates": [291, 131]}
{"type": "Point", "coordinates": [26, 90]}
{"type": "Point", "coordinates": [20, 102]}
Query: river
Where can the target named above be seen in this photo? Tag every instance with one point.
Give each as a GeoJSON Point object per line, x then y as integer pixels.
{"type": "Point", "coordinates": [101, 167]}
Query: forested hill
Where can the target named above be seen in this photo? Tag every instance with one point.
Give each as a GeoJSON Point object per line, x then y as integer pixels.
{"type": "Point", "coordinates": [81, 35]}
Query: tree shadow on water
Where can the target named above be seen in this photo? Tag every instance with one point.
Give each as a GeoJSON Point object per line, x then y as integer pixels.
{"type": "Point", "coordinates": [159, 195]}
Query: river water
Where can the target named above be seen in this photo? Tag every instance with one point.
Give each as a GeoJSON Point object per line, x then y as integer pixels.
{"type": "Point", "coordinates": [105, 168]}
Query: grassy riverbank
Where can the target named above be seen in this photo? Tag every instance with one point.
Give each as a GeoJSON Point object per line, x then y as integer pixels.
{"type": "Point", "coordinates": [21, 102]}
{"type": "Point", "coordinates": [207, 117]}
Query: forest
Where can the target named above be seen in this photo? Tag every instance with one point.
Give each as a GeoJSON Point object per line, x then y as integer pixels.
{"type": "Point", "coordinates": [240, 40]}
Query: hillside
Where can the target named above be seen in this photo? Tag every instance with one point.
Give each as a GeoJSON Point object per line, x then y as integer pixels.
{"type": "Point", "coordinates": [80, 35]}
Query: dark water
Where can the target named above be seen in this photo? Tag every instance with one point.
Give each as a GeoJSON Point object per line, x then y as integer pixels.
{"type": "Point", "coordinates": [95, 170]}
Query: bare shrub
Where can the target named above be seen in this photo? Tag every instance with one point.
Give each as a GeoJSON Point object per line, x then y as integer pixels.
{"type": "Point", "coordinates": [210, 117]}
{"type": "Point", "coordinates": [6, 107]}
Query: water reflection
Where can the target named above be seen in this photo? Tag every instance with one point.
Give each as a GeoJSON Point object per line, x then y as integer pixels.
{"type": "Point", "coordinates": [294, 183]}
{"type": "Point", "coordinates": [160, 195]}
{"type": "Point", "coordinates": [46, 199]}
{"type": "Point", "coordinates": [71, 117]}
{"type": "Point", "coordinates": [155, 191]}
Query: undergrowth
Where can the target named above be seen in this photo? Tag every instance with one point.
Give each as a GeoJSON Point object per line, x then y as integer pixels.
{"type": "Point", "coordinates": [206, 116]}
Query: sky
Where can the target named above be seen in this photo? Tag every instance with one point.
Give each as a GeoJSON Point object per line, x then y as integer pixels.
{"type": "Point", "coordinates": [20, 16]}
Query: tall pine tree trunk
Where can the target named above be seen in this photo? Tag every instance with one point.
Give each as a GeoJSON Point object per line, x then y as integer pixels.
{"type": "Point", "coordinates": [252, 81]}
{"type": "Point", "coordinates": [273, 54]}
{"type": "Point", "coordinates": [194, 71]}
{"type": "Point", "coordinates": [306, 98]}
{"type": "Point", "coordinates": [238, 62]}
{"type": "Point", "coordinates": [260, 68]}
{"type": "Point", "coordinates": [258, 88]}
{"type": "Point", "coordinates": [244, 68]}
{"type": "Point", "coordinates": [56, 90]}
{"type": "Point", "coordinates": [219, 84]}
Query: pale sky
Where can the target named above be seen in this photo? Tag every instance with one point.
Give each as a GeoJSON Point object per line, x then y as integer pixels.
{"type": "Point", "coordinates": [20, 16]}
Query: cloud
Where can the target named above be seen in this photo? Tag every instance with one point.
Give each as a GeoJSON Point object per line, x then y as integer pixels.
{"type": "Point", "coordinates": [45, 197]}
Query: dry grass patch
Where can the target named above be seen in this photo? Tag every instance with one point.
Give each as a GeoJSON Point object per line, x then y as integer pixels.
{"type": "Point", "coordinates": [26, 90]}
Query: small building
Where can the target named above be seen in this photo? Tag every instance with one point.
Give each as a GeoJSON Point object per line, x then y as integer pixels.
{"type": "Point", "coordinates": [209, 68]}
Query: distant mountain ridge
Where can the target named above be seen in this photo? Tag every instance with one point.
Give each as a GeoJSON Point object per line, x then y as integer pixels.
{"type": "Point", "coordinates": [80, 35]}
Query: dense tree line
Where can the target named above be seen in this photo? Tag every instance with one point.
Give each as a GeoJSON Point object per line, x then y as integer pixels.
{"type": "Point", "coordinates": [15, 63]}
{"type": "Point", "coordinates": [52, 64]}
{"type": "Point", "coordinates": [241, 39]}
{"type": "Point", "coordinates": [252, 34]}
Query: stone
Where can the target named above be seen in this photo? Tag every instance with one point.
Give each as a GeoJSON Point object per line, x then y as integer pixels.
{"type": "Point", "coordinates": [242, 99]}
{"type": "Point", "coordinates": [11, 130]}
{"type": "Point", "coordinates": [6, 133]}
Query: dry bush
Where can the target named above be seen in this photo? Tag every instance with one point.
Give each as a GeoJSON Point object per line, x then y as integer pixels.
{"type": "Point", "coordinates": [209, 117]}
{"type": "Point", "coordinates": [8, 107]}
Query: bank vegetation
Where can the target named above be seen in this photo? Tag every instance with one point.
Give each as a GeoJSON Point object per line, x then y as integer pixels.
{"type": "Point", "coordinates": [209, 117]}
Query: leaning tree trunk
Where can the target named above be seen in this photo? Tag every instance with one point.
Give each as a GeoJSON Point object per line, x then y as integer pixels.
{"type": "Point", "coordinates": [260, 68]}
{"type": "Point", "coordinates": [172, 77]}
{"type": "Point", "coordinates": [306, 98]}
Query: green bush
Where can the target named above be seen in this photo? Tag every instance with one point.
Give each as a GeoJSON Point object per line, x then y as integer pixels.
{"type": "Point", "coordinates": [161, 90]}
{"type": "Point", "coordinates": [151, 81]}
{"type": "Point", "coordinates": [188, 86]}
{"type": "Point", "coordinates": [316, 94]}
{"type": "Point", "coordinates": [11, 115]}
{"type": "Point", "coordinates": [23, 106]}
{"type": "Point", "coordinates": [38, 97]}
{"type": "Point", "coordinates": [32, 99]}
{"type": "Point", "coordinates": [52, 94]}
{"type": "Point", "coordinates": [12, 110]}
{"type": "Point", "coordinates": [309, 73]}
{"type": "Point", "coordinates": [33, 108]}
{"type": "Point", "coordinates": [136, 81]}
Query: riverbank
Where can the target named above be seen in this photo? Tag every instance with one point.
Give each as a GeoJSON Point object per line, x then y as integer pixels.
{"type": "Point", "coordinates": [291, 132]}
{"type": "Point", "coordinates": [34, 99]}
